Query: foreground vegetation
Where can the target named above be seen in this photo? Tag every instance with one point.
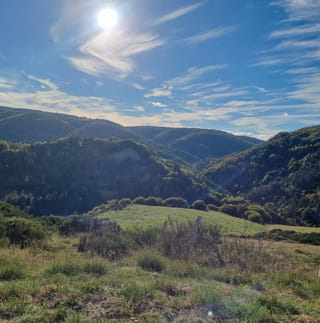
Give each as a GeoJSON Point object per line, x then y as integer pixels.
{"type": "Point", "coordinates": [100, 272]}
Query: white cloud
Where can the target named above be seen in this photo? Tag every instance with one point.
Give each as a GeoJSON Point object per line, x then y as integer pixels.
{"type": "Point", "coordinates": [22, 95]}
{"type": "Point", "coordinates": [112, 52]}
{"type": "Point", "coordinates": [7, 83]}
{"type": "Point", "coordinates": [99, 83]}
{"type": "Point", "coordinates": [193, 73]}
{"type": "Point", "coordinates": [138, 86]}
{"type": "Point", "coordinates": [159, 104]}
{"type": "Point", "coordinates": [269, 61]}
{"type": "Point", "coordinates": [296, 31]}
{"type": "Point", "coordinates": [210, 34]}
{"type": "Point", "coordinates": [139, 108]}
{"type": "Point", "coordinates": [45, 82]}
{"type": "Point", "coordinates": [159, 92]}
{"type": "Point", "coordinates": [177, 13]}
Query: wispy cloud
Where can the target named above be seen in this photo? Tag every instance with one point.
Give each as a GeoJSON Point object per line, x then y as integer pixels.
{"type": "Point", "coordinates": [300, 9]}
{"type": "Point", "coordinates": [112, 52]}
{"type": "Point", "coordinates": [159, 104]}
{"type": "Point", "coordinates": [44, 82]}
{"type": "Point", "coordinates": [194, 73]}
{"type": "Point", "coordinates": [209, 34]}
{"type": "Point", "coordinates": [177, 13]}
{"type": "Point", "coordinates": [25, 95]}
{"type": "Point", "coordinates": [138, 86]}
{"type": "Point", "coordinates": [296, 31]}
{"type": "Point", "coordinates": [160, 92]}
{"type": "Point", "coordinates": [6, 83]}
{"type": "Point", "coordinates": [269, 61]}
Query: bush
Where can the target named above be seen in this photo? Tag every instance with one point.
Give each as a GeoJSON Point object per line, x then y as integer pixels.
{"type": "Point", "coordinates": [139, 200]}
{"type": "Point", "coordinates": [199, 205]}
{"type": "Point", "coordinates": [153, 201]}
{"type": "Point", "coordinates": [175, 202]}
{"type": "Point", "coordinates": [143, 237]}
{"type": "Point", "coordinates": [111, 245]}
{"type": "Point", "coordinates": [11, 272]}
{"type": "Point", "coordinates": [151, 262]}
{"type": "Point", "coordinates": [255, 217]}
{"type": "Point", "coordinates": [65, 268]}
{"type": "Point", "coordinates": [212, 207]}
{"type": "Point", "coordinates": [23, 232]}
{"type": "Point", "coordinates": [96, 268]}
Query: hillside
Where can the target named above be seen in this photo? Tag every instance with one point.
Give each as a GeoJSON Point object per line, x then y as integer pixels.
{"type": "Point", "coordinates": [282, 174]}
{"type": "Point", "coordinates": [74, 174]}
{"type": "Point", "coordinates": [28, 126]}
{"type": "Point", "coordinates": [190, 145]}
{"type": "Point", "coordinates": [195, 144]}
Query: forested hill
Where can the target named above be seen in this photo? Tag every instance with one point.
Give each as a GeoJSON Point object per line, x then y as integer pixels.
{"type": "Point", "coordinates": [282, 174]}
{"type": "Point", "coordinates": [28, 126]}
{"type": "Point", "coordinates": [194, 144]}
{"type": "Point", "coordinates": [190, 145]}
{"type": "Point", "coordinates": [76, 174]}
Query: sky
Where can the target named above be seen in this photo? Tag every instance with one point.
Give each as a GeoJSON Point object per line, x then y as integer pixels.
{"type": "Point", "coordinates": [249, 67]}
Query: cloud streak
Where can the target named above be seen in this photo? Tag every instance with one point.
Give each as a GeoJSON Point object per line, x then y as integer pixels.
{"type": "Point", "coordinates": [177, 13]}
{"type": "Point", "coordinates": [112, 52]}
{"type": "Point", "coordinates": [209, 34]}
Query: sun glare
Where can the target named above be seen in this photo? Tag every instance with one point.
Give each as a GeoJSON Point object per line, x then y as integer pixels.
{"type": "Point", "coordinates": [107, 18]}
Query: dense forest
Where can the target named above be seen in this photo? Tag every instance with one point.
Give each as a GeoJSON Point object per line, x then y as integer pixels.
{"type": "Point", "coordinates": [185, 144]}
{"type": "Point", "coordinates": [282, 174]}
{"type": "Point", "coordinates": [75, 174]}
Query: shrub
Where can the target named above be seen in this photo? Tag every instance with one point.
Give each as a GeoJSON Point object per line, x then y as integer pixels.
{"type": "Point", "coordinates": [212, 207]}
{"type": "Point", "coordinates": [255, 217]}
{"type": "Point", "coordinates": [199, 205]}
{"type": "Point", "coordinates": [11, 272]}
{"type": "Point", "coordinates": [125, 202]}
{"type": "Point", "coordinates": [96, 268]}
{"type": "Point", "coordinates": [277, 305]}
{"type": "Point", "coordinates": [135, 293]}
{"type": "Point", "coordinates": [23, 232]}
{"type": "Point", "coordinates": [230, 209]}
{"type": "Point", "coordinates": [151, 262]}
{"type": "Point", "coordinates": [153, 201]}
{"type": "Point", "coordinates": [143, 236]}
{"type": "Point", "coordinates": [175, 202]}
{"type": "Point", "coordinates": [65, 268]}
{"type": "Point", "coordinates": [139, 200]}
{"type": "Point", "coordinates": [111, 245]}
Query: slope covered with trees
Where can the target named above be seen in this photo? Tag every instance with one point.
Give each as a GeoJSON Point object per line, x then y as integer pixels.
{"type": "Point", "coordinates": [75, 174]}
{"type": "Point", "coordinates": [195, 144]}
{"type": "Point", "coordinates": [187, 145]}
{"type": "Point", "coordinates": [282, 174]}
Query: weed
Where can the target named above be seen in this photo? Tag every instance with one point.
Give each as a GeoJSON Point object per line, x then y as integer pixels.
{"type": "Point", "coordinates": [90, 288]}
{"type": "Point", "coordinates": [135, 293]}
{"type": "Point", "coordinates": [151, 262]}
{"type": "Point", "coordinates": [207, 295]}
{"type": "Point", "coordinates": [276, 305]}
{"type": "Point", "coordinates": [11, 272]}
{"type": "Point", "coordinates": [65, 268]}
{"type": "Point", "coordinates": [96, 268]}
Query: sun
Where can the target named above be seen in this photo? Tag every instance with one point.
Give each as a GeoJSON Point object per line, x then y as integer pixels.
{"type": "Point", "coordinates": [107, 18]}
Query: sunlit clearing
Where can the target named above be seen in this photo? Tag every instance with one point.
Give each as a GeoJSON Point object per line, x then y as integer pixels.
{"type": "Point", "coordinates": [107, 18]}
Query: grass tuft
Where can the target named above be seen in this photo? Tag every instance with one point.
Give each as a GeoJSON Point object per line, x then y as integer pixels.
{"type": "Point", "coordinates": [11, 272]}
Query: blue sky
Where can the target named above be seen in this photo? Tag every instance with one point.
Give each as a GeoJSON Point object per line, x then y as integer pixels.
{"type": "Point", "coordinates": [248, 67]}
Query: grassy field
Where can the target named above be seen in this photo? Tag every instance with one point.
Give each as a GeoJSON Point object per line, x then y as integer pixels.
{"type": "Point", "coordinates": [156, 215]}
{"type": "Point", "coordinates": [293, 228]}
{"type": "Point", "coordinates": [59, 284]}
{"type": "Point", "coordinates": [222, 279]}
